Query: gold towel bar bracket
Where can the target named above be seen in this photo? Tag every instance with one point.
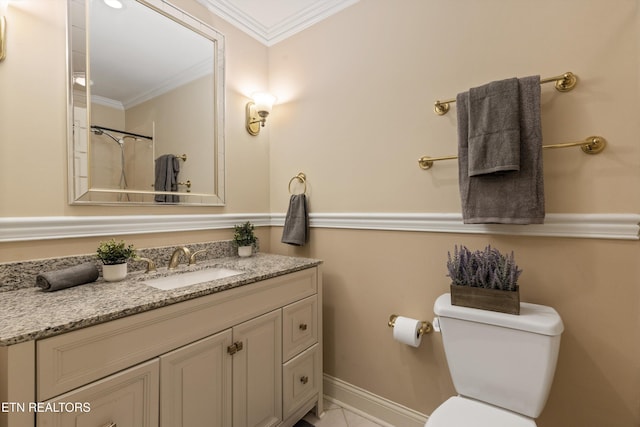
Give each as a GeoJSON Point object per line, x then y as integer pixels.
{"type": "Point", "coordinates": [426, 327]}
{"type": "Point", "coordinates": [591, 145]}
{"type": "Point", "coordinates": [564, 83]}
{"type": "Point", "coordinates": [302, 178]}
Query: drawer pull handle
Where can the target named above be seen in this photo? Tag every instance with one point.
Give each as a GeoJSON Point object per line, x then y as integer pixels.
{"type": "Point", "coordinates": [303, 326]}
{"type": "Point", "coordinates": [234, 348]}
{"type": "Point", "coordinates": [111, 425]}
{"type": "Point", "coordinates": [304, 379]}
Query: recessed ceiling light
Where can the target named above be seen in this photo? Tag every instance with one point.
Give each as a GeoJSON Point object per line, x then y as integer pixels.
{"type": "Point", "coordinates": [116, 4]}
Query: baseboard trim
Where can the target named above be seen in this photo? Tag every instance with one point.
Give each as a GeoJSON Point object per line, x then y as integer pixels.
{"type": "Point", "coordinates": [592, 226]}
{"type": "Point", "coordinates": [378, 409]}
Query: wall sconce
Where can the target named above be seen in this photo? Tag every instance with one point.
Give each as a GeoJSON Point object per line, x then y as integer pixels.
{"type": "Point", "coordinates": [3, 31]}
{"type": "Point", "coordinates": [258, 110]}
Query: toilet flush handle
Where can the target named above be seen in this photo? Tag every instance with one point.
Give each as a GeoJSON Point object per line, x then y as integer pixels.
{"type": "Point", "coordinates": [436, 324]}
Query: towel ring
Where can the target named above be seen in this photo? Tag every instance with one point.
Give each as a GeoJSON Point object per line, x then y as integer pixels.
{"type": "Point", "coordinates": [303, 180]}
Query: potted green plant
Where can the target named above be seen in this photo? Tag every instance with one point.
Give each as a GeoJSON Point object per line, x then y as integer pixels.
{"type": "Point", "coordinates": [114, 256]}
{"type": "Point", "coordinates": [244, 238]}
{"type": "Point", "coordinates": [484, 279]}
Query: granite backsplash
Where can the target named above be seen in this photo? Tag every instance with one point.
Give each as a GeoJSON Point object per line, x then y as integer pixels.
{"type": "Point", "coordinates": [22, 274]}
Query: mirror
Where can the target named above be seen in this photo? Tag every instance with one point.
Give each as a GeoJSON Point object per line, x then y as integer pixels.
{"type": "Point", "coordinates": [146, 105]}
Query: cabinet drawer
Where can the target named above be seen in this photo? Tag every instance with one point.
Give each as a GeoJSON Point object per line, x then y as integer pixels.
{"type": "Point", "coordinates": [300, 326]}
{"type": "Point", "coordinates": [126, 399]}
{"type": "Point", "coordinates": [300, 380]}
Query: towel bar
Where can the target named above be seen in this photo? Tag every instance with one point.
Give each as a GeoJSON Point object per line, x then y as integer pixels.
{"type": "Point", "coordinates": [591, 145]}
{"type": "Point", "coordinates": [564, 83]}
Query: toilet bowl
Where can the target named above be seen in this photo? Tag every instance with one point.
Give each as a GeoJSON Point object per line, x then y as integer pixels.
{"type": "Point", "coordinates": [502, 365]}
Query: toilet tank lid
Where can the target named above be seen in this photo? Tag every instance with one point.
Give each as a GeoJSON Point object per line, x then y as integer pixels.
{"type": "Point", "coordinates": [533, 318]}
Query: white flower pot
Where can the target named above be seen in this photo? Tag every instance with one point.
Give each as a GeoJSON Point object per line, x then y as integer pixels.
{"type": "Point", "coordinates": [114, 272]}
{"type": "Point", "coordinates": [245, 251]}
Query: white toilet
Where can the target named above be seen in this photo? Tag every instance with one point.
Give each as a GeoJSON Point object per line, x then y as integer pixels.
{"type": "Point", "coordinates": [502, 365]}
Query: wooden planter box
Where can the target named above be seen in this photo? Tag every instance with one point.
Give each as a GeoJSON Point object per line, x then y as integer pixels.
{"type": "Point", "coordinates": [486, 299]}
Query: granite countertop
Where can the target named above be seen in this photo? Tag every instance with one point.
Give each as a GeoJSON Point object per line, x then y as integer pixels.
{"type": "Point", "coordinates": [30, 313]}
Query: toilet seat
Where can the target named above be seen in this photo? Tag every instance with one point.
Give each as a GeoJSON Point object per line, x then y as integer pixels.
{"type": "Point", "coordinates": [460, 411]}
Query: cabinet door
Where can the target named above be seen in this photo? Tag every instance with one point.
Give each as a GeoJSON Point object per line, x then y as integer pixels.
{"type": "Point", "coordinates": [126, 399]}
{"type": "Point", "coordinates": [195, 384]}
{"type": "Point", "coordinates": [257, 372]}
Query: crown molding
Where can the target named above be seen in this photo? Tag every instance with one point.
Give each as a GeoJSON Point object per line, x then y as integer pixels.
{"type": "Point", "coordinates": [288, 25]}
{"type": "Point", "coordinates": [591, 226]}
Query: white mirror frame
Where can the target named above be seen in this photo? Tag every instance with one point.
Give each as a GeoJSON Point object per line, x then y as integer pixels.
{"type": "Point", "coordinates": [77, 11]}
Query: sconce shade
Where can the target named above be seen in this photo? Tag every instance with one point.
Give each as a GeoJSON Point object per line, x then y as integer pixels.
{"type": "Point", "coordinates": [116, 4]}
{"type": "Point", "coordinates": [264, 101]}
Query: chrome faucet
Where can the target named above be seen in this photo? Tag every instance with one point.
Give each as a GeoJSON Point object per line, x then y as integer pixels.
{"type": "Point", "coordinates": [175, 257]}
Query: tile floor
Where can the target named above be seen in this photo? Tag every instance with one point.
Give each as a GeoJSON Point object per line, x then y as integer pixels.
{"type": "Point", "coordinates": [335, 416]}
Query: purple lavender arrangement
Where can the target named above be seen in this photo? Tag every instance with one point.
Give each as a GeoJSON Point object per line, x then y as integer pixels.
{"type": "Point", "coordinates": [483, 269]}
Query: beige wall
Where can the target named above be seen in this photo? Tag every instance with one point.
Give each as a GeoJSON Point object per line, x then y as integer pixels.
{"type": "Point", "coordinates": [592, 284]}
{"type": "Point", "coordinates": [356, 93]}
{"type": "Point", "coordinates": [182, 119]}
{"type": "Point", "coordinates": [33, 135]}
{"type": "Point", "coordinates": [33, 116]}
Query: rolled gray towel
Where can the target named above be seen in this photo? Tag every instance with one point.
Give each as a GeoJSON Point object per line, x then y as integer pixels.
{"type": "Point", "coordinates": [67, 277]}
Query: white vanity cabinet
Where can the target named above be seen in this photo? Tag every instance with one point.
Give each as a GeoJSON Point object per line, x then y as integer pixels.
{"type": "Point", "coordinates": [244, 357]}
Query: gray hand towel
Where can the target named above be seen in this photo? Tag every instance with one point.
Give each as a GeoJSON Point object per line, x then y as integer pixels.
{"type": "Point", "coordinates": [67, 277]}
{"type": "Point", "coordinates": [166, 178]}
{"type": "Point", "coordinates": [494, 128]}
{"type": "Point", "coordinates": [296, 223]}
{"type": "Point", "coordinates": [511, 198]}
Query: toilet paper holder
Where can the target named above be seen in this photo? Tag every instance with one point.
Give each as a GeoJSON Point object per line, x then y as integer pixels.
{"type": "Point", "coordinates": [426, 327]}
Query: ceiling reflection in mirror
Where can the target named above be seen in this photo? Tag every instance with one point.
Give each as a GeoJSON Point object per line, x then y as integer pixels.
{"type": "Point", "coordinates": [146, 106]}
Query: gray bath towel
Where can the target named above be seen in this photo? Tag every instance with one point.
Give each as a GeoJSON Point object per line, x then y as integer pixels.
{"type": "Point", "coordinates": [67, 277]}
{"type": "Point", "coordinates": [494, 128]}
{"type": "Point", "coordinates": [511, 198]}
{"type": "Point", "coordinates": [166, 178]}
{"type": "Point", "coordinates": [296, 223]}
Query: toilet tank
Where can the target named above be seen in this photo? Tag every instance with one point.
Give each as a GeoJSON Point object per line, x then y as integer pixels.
{"type": "Point", "coordinates": [503, 359]}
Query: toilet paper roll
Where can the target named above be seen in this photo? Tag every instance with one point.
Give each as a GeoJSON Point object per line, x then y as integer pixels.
{"type": "Point", "coordinates": [407, 331]}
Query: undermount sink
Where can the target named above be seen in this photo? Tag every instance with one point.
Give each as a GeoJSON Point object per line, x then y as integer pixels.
{"type": "Point", "coordinates": [181, 280]}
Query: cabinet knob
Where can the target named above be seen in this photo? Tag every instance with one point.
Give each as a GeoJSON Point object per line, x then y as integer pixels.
{"type": "Point", "coordinates": [303, 326]}
{"type": "Point", "coordinates": [304, 379]}
{"type": "Point", "coordinates": [234, 348]}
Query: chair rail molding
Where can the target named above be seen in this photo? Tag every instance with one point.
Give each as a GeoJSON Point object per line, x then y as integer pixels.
{"type": "Point", "coordinates": [64, 227]}
{"type": "Point", "coordinates": [593, 226]}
